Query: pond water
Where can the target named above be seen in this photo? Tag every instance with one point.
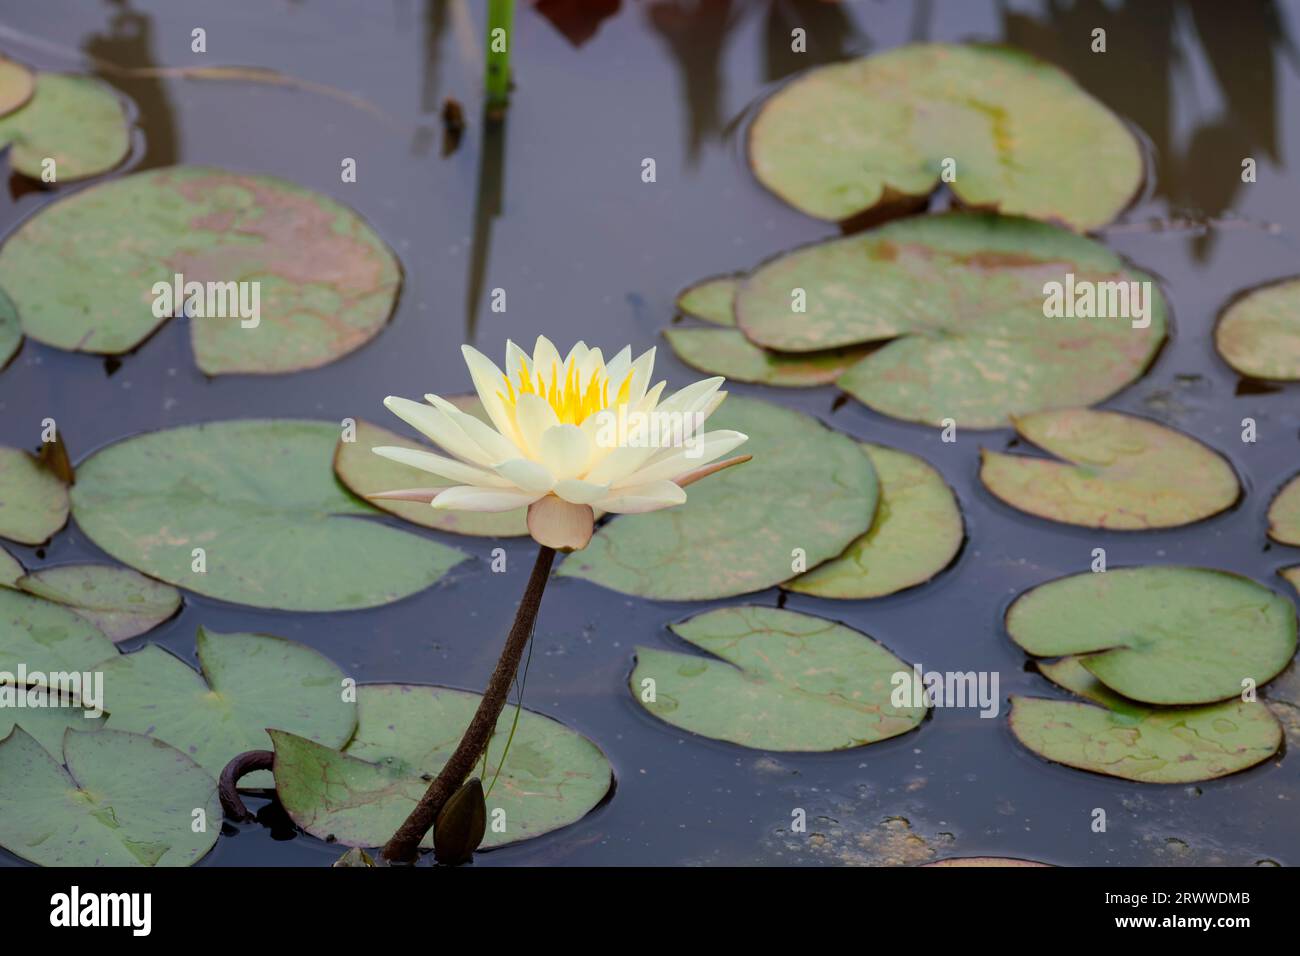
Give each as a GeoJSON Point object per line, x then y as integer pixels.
{"type": "Point", "coordinates": [552, 208]}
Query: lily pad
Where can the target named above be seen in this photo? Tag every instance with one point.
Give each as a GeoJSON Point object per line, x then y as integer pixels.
{"type": "Point", "coordinates": [1292, 576]}
{"type": "Point", "coordinates": [1119, 472]}
{"type": "Point", "coordinates": [728, 353]}
{"type": "Point", "coordinates": [260, 500]}
{"type": "Point", "coordinates": [363, 472]}
{"type": "Point", "coordinates": [77, 121]}
{"type": "Point", "coordinates": [711, 300]}
{"type": "Point", "coordinates": [982, 861]}
{"type": "Point", "coordinates": [1147, 744]}
{"type": "Point", "coordinates": [120, 602]}
{"type": "Point", "coordinates": [961, 298]}
{"type": "Point", "coordinates": [1259, 334]}
{"type": "Point", "coordinates": [552, 776]}
{"type": "Point", "coordinates": [83, 271]}
{"type": "Point", "coordinates": [806, 488]}
{"type": "Point", "coordinates": [1284, 514]}
{"type": "Point", "coordinates": [45, 636]}
{"type": "Point", "coordinates": [11, 332]}
{"type": "Point", "coordinates": [917, 532]}
{"type": "Point", "coordinates": [33, 501]}
{"type": "Point", "coordinates": [16, 85]}
{"type": "Point", "coordinates": [1026, 139]}
{"type": "Point", "coordinates": [1160, 634]}
{"type": "Point", "coordinates": [48, 724]}
{"type": "Point", "coordinates": [121, 800]}
{"type": "Point", "coordinates": [778, 680]}
{"type": "Point", "coordinates": [248, 682]}
{"type": "Point", "coordinates": [10, 569]}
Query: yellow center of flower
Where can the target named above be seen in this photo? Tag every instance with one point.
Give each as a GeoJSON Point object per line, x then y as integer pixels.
{"type": "Point", "coordinates": [572, 399]}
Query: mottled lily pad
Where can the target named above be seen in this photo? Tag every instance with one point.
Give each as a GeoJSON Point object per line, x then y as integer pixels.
{"type": "Point", "coordinates": [112, 799]}
{"type": "Point", "coordinates": [10, 569]}
{"type": "Point", "coordinates": [120, 602]}
{"type": "Point", "coordinates": [17, 84]}
{"type": "Point", "coordinates": [1160, 634]}
{"type": "Point", "coordinates": [45, 636]}
{"type": "Point", "coordinates": [83, 271]}
{"type": "Point", "coordinates": [806, 488]}
{"type": "Point", "coordinates": [11, 331]}
{"type": "Point", "coordinates": [710, 300]}
{"type": "Point", "coordinates": [552, 776]}
{"type": "Point", "coordinates": [1292, 576]}
{"type": "Point", "coordinates": [1118, 472]}
{"type": "Point", "coordinates": [1027, 140]}
{"type": "Point", "coordinates": [1284, 514]}
{"type": "Point", "coordinates": [33, 501]}
{"type": "Point", "coordinates": [778, 680]}
{"type": "Point", "coordinates": [1124, 739]}
{"type": "Point", "coordinates": [363, 472]}
{"type": "Point", "coordinates": [77, 121]}
{"type": "Point", "coordinates": [916, 533]}
{"type": "Point", "coordinates": [1259, 334]}
{"type": "Point", "coordinates": [260, 499]}
{"type": "Point", "coordinates": [960, 298]}
{"type": "Point", "coordinates": [982, 861]}
{"type": "Point", "coordinates": [249, 682]}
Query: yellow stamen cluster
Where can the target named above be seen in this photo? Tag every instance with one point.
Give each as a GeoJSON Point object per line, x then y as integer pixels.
{"type": "Point", "coordinates": [571, 400]}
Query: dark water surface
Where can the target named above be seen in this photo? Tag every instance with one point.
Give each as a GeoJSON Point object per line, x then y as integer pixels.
{"type": "Point", "coordinates": [553, 209]}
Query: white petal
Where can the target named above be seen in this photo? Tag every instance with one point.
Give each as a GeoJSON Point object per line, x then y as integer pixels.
{"type": "Point", "coordinates": [438, 428]}
{"type": "Point", "coordinates": [527, 475]}
{"type": "Point", "coordinates": [516, 358]}
{"type": "Point", "coordinates": [579, 492]}
{"type": "Point", "coordinates": [642, 369]}
{"type": "Point", "coordinates": [449, 468]}
{"type": "Point", "coordinates": [697, 393]}
{"type": "Point", "coordinates": [677, 461]}
{"type": "Point", "coordinates": [546, 359]}
{"type": "Point", "coordinates": [564, 449]}
{"type": "Point", "coordinates": [534, 415]}
{"type": "Point", "coordinates": [468, 498]}
{"type": "Point", "coordinates": [641, 498]}
{"type": "Point", "coordinates": [494, 444]}
{"type": "Point", "coordinates": [490, 384]}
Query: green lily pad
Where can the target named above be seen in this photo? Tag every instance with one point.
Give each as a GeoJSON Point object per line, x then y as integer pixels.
{"type": "Point", "coordinates": [1259, 334]}
{"type": "Point", "coordinates": [711, 300]}
{"type": "Point", "coordinates": [363, 472]}
{"type": "Point", "coordinates": [260, 499]}
{"type": "Point", "coordinates": [1284, 514]}
{"type": "Point", "coordinates": [917, 532]}
{"type": "Point", "coordinates": [46, 636]}
{"type": "Point", "coordinates": [83, 271]}
{"type": "Point", "coordinates": [1160, 634]}
{"type": "Point", "coordinates": [77, 121]}
{"type": "Point", "coordinates": [33, 501]}
{"type": "Point", "coordinates": [121, 800]}
{"type": "Point", "coordinates": [728, 353]}
{"type": "Point", "coordinates": [778, 680]}
{"type": "Point", "coordinates": [1115, 474]}
{"type": "Point", "coordinates": [17, 84]}
{"type": "Point", "coordinates": [10, 569]}
{"type": "Point", "coordinates": [552, 776]}
{"type": "Point", "coordinates": [11, 331]}
{"type": "Point", "coordinates": [960, 299]}
{"type": "Point", "coordinates": [249, 682]}
{"type": "Point", "coordinates": [1292, 576]}
{"type": "Point", "coordinates": [1027, 140]}
{"type": "Point", "coordinates": [806, 488]}
{"type": "Point", "coordinates": [1124, 739]}
{"type": "Point", "coordinates": [48, 724]}
{"type": "Point", "coordinates": [120, 602]}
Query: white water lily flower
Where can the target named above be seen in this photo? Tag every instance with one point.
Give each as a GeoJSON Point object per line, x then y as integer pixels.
{"type": "Point", "coordinates": [568, 435]}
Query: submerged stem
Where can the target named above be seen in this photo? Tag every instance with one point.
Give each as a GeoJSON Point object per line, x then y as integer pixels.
{"type": "Point", "coordinates": [403, 846]}
{"type": "Point", "coordinates": [501, 15]}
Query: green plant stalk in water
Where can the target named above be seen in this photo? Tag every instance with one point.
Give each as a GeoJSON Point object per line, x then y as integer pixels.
{"type": "Point", "coordinates": [501, 16]}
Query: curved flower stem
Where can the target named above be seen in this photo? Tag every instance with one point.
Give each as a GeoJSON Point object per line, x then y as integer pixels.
{"type": "Point", "coordinates": [228, 785]}
{"type": "Point", "coordinates": [403, 846]}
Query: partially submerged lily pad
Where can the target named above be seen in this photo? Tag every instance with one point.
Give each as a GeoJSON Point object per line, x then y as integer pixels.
{"type": "Point", "coordinates": [711, 300]}
{"type": "Point", "coordinates": [257, 502]}
{"type": "Point", "coordinates": [1118, 472]}
{"type": "Point", "coordinates": [1124, 739]}
{"type": "Point", "coordinates": [11, 332]}
{"type": "Point", "coordinates": [249, 682]}
{"type": "Point", "coordinates": [983, 861]}
{"type": "Point", "coordinates": [806, 488]}
{"type": "Point", "coordinates": [960, 297]}
{"type": "Point", "coordinates": [728, 353]}
{"type": "Point", "coordinates": [1160, 634]}
{"type": "Point", "coordinates": [1024, 137]}
{"type": "Point", "coordinates": [120, 602]}
{"type": "Point", "coordinates": [111, 799]}
{"type": "Point", "coordinates": [96, 271]}
{"type": "Point", "coordinates": [917, 532]}
{"type": "Point", "coordinates": [552, 776]}
{"type": "Point", "coordinates": [777, 680]}
{"type": "Point", "coordinates": [1259, 334]}
{"type": "Point", "coordinates": [33, 501]}
{"type": "Point", "coordinates": [364, 473]}
{"type": "Point", "coordinates": [16, 85]}
{"type": "Point", "coordinates": [46, 636]}
{"type": "Point", "coordinates": [1284, 514]}
{"type": "Point", "coordinates": [76, 121]}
